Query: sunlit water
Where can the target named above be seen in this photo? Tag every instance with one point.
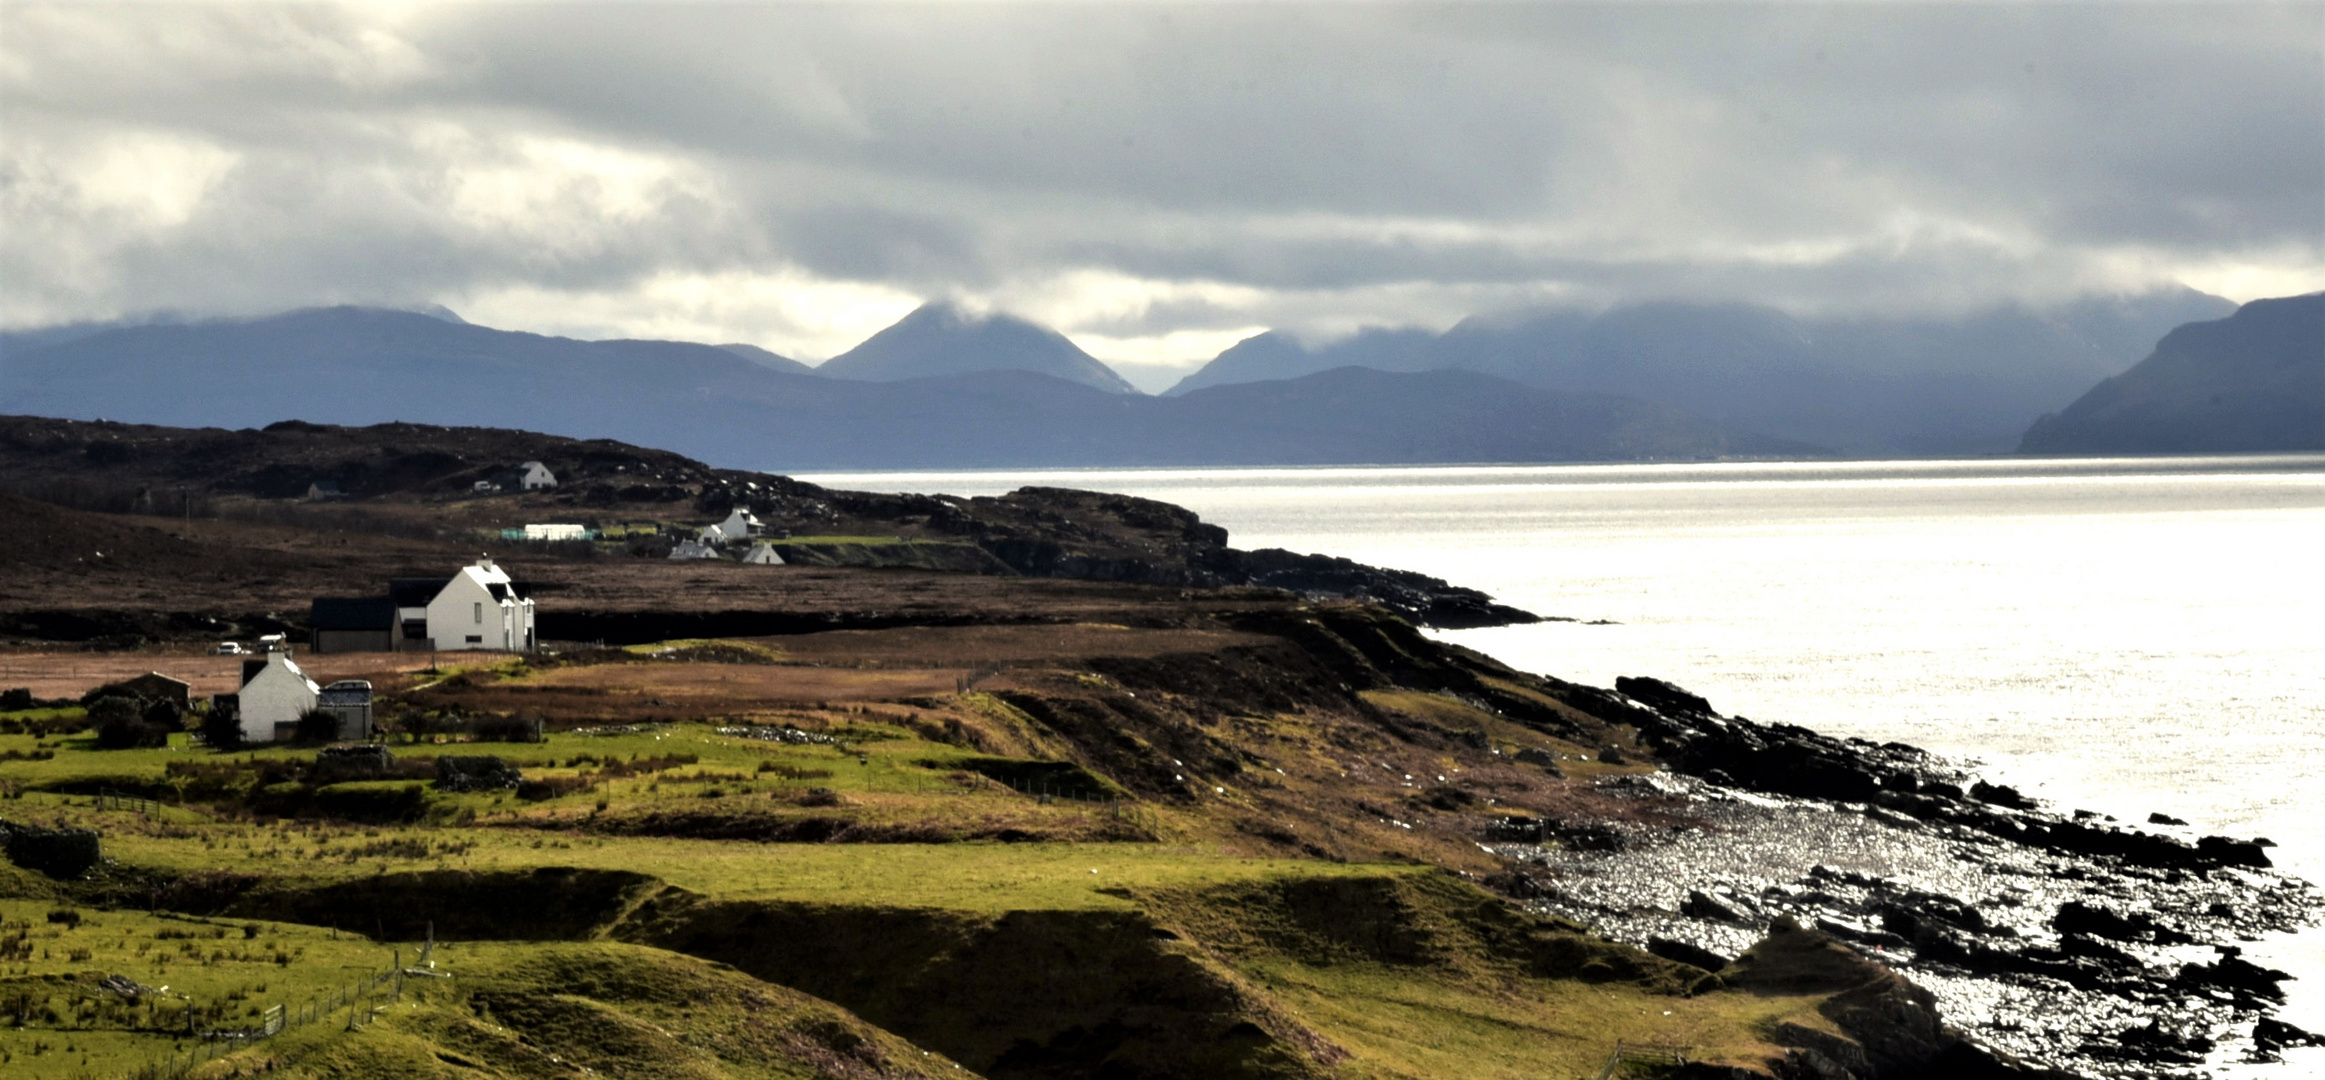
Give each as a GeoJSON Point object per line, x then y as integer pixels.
{"type": "Point", "coordinates": [2119, 635]}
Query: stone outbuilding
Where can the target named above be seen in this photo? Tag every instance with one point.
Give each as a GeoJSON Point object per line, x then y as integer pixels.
{"type": "Point", "coordinates": [349, 702]}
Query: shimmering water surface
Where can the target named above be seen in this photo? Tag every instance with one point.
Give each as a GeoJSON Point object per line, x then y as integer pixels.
{"type": "Point", "coordinates": [2122, 635]}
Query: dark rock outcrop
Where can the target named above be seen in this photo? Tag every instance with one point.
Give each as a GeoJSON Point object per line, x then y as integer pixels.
{"type": "Point", "coordinates": [2069, 919]}
{"type": "Point", "coordinates": [1784, 759]}
{"type": "Point", "coordinates": [481, 772]}
{"type": "Point", "coordinates": [1892, 1027]}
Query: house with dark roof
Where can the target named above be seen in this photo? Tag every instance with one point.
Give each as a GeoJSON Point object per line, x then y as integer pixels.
{"type": "Point", "coordinates": [160, 687]}
{"type": "Point", "coordinates": [410, 595]}
{"type": "Point", "coordinates": [480, 607]}
{"type": "Point", "coordinates": [355, 624]}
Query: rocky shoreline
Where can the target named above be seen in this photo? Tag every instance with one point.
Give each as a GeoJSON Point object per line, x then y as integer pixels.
{"type": "Point", "coordinates": [2071, 943]}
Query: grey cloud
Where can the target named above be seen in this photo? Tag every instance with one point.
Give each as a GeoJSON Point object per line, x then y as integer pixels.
{"type": "Point", "coordinates": [1339, 163]}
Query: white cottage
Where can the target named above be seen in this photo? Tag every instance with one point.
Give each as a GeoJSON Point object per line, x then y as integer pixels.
{"type": "Point", "coordinates": [480, 608]}
{"type": "Point", "coordinates": [534, 476]}
{"type": "Point", "coordinates": [762, 554]}
{"type": "Point", "coordinates": [275, 693]}
{"type": "Point", "coordinates": [739, 525]}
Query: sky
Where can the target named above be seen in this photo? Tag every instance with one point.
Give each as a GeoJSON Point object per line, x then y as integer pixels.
{"type": "Point", "coordinates": [1156, 180]}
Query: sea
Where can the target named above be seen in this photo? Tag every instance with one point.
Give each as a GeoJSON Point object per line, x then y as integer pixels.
{"type": "Point", "coordinates": [2122, 635]}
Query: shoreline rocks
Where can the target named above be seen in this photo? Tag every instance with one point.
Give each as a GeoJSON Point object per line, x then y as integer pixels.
{"type": "Point", "coordinates": [2069, 942]}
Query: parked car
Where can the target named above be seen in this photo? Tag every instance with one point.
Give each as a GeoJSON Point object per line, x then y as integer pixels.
{"type": "Point", "coordinates": [230, 648]}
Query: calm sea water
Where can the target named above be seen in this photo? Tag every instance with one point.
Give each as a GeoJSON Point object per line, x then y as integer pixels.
{"type": "Point", "coordinates": [2119, 635]}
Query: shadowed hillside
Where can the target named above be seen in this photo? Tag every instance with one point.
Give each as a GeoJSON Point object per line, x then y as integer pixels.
{"type": "Point", "coordinates": [2252, 381]}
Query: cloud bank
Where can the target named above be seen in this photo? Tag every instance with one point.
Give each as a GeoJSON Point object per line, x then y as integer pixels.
{"type": "Point", "coordinates": [1156, 180]}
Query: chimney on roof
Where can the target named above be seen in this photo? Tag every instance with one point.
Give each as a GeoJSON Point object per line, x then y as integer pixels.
{"type": "Point", "coordinates": [485, 560]}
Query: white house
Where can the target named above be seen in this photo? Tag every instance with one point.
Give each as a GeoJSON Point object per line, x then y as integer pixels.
{"type": "Point", "coordinates": [762, 554]}
{"type": "Point", "coordinates": [274, 691]}
{"type": "Point", "coordinates": [534, 476]}
{"type": "Point", "coordinates": [692, 549]}
{"type": "Point", "coordinates": [739, 525]}
{"type": "Point", "coordinates": [480, 608]}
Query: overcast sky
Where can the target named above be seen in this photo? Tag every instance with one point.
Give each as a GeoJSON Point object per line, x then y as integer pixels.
{"type": "Point", "coordinates": [1157, 180]}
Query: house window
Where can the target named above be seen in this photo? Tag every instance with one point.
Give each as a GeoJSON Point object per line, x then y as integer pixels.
{"type": "Point", "coordinates": [480, 611]}
{"type": "Point", "coordinates": [476, 639]}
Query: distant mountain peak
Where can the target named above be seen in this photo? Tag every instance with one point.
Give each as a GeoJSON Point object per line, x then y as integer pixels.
{"type": "Point", "coordinates": [943, 337]}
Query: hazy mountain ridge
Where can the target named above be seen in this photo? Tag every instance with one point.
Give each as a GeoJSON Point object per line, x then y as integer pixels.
{"type": "Point", "coordinates": [1862, 385]}
{"type": "Point", "coordinates": [360, 366]}
{"type": "Point", "coordinates": [2254, 381]}
{"type": "Point", "coordinates": [941, 339]}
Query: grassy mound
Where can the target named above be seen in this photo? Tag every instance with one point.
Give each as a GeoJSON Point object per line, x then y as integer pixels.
{"type": "Point", "coordinates": [614, 1010]}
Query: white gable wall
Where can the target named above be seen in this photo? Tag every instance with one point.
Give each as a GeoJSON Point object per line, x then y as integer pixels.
{"type": "Point", "coordinates": [279, 694]}
{"type": "Point", "coordinates": [466, 615]}
{"type": "Point", "coordinates": [737, 526]}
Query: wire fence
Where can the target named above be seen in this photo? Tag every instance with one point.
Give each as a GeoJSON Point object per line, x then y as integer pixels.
{"type": "Point", "coordinates": [360, 1000]}
{"type": "Point", "coordinates": [1642, 1053]}
{"type": "Point", "coordinates": [121, 800]}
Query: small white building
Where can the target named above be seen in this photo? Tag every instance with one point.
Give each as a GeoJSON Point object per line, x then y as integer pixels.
{"type": "Point", "coordinates": [275, 693]}
{"type": "Point", "coordinates": [480, 608]}
{"type": "Point", "coordinates": [762, 554]}
{"type": "Point", "coordinates": [556, 532]}
{"type": "Point", "coordinates": [739, 525]}
{"type": "Point", "coordinates": [693, 549]}
{"type": "Point", "coordinates": [534, 476]}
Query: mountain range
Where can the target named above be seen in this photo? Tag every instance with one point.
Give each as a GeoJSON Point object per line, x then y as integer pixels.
{"type": "Point", "coordinates": [947, 388]}
{"type": "Point", "coordinates": [364, 366]}
{"type": "Point", "coordinates": [1866, 386]}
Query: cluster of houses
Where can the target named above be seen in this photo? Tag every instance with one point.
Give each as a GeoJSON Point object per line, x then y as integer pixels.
{"type": "Point", "coordinates": [740, 530]}
{"type": "Point", "coordinates": [741, 534]}
{"type": "Point", "coordinates": [480, 607]}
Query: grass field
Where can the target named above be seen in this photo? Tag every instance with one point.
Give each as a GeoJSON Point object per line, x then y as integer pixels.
{"type": "Point", "coordinates": [963, 910]}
